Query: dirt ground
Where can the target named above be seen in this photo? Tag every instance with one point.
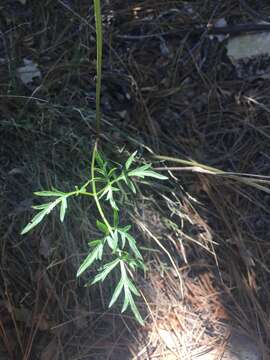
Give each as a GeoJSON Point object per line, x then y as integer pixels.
{"type": "Point", "coordinates": [171, 92]}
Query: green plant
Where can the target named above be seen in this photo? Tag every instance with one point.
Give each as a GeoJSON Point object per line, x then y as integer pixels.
{"type": "Point", "coordinates": [111, 184]}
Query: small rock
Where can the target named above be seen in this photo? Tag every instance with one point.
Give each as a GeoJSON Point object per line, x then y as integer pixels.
{"type": "Point", "coordinates": [28, 72]}
{"type": "Point", "coordinates": [219, 24]}
{"type": "Point", "coordinates": [250, 54]}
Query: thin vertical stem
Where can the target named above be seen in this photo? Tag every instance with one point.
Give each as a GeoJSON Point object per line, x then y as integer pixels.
{"type": "Point", "coordinates": [99, 45]}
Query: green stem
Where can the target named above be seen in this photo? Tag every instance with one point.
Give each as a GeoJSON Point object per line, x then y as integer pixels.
{"type": "Point", "coordinates": [95, 190]}
{"type": "Point", "coordinates": [99, 42]}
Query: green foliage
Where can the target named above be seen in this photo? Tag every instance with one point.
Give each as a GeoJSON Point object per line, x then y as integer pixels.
{"type": "Point", "coordinates": [111, 186]}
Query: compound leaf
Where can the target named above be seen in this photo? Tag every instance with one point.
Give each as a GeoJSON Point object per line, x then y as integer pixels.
{"type": "Point", "coordinates": [144, 171]}
{"type": "Point", "coordinates": [133, 246]}
{"type": "Point", "coordinates": [105, 271]}
{"type": "Point", "coordinates": [136, 311]}
{"type": "Point", "coordinates": [89, 260]}
{"type": "Point", "coordinates": [40, 216]}
{"type": "Point", "coordinates": [130, 160]}
{"type": "Point", "coordinates": [117, 292]}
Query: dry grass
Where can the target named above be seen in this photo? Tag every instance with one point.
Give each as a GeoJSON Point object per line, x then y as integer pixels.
{"type": "Point", "coordinates": [173, 95]}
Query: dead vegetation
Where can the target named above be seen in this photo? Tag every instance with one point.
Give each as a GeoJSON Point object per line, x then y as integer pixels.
{"type": "Point", "coordinates": [168, 90]}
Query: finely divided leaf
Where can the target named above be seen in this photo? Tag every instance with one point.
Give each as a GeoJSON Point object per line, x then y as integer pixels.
{"type": "Point", "coordinates": [130, 160]}
{"type": "Point", "coordinates": [100, 253]}
{"type": "Point", "coordinates": [112, 171]}
{"type": "Point", "coordinates": [41, 206]}
{"type": "Point", "coordinates": [94, 243]}
{"type": "Point", "coordinates": [115, 240]}
{"type": "Point", "coordinates": [109, 240]}
{"type": "Point", "coordinates": [117, 292]}
{"type": "Point", "coordinates": [110, 197]}
{"type": "Point", "coordinates": [105, 270]}
{"type": "Point", "coordinates": [122, 232]}
{"type": "Point", "coordinates": [140, 170]}
{"type": "Point", "coordinates": [89, 260]}
{"type": "Point", "coordinates": [128, 182]}
{"type": "Point", "coordinates": [123, 238]}
{"type": "Point", "coordinates": [112, 240]}
{"type": "Point", "coordinates": [136, 311]}
{"type": "Point", "coordinates": [63, 208]}
{"type": "Point", "coordinates": [153, 174]}
{"type": "Point", "coordinates": [144, 171]}
{"type": "Point", "coordinates": [126, 298]}
{"type": "Point", "coordinates": [40, 216]}
{"type": "Point", "coordinates": [133, 288]}
{"type": "Point", "coordinates": [125, 228]}
{"type": "Point", "coordinates": [99, 159]}
{"type": "Point", "coordinates": [35, 221]}
{"type": "Point", "coordinates": [132, 187]}
{"type": "Point", "coordinates": [133, 246]}
{"type": "Point", "coordinates": [49, 193]}
{"type": "Point", "coordinates": [109, 190]}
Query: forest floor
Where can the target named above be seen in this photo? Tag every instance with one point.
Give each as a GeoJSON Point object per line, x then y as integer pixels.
{"type": "Point", "coordinates": [169, 91]}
